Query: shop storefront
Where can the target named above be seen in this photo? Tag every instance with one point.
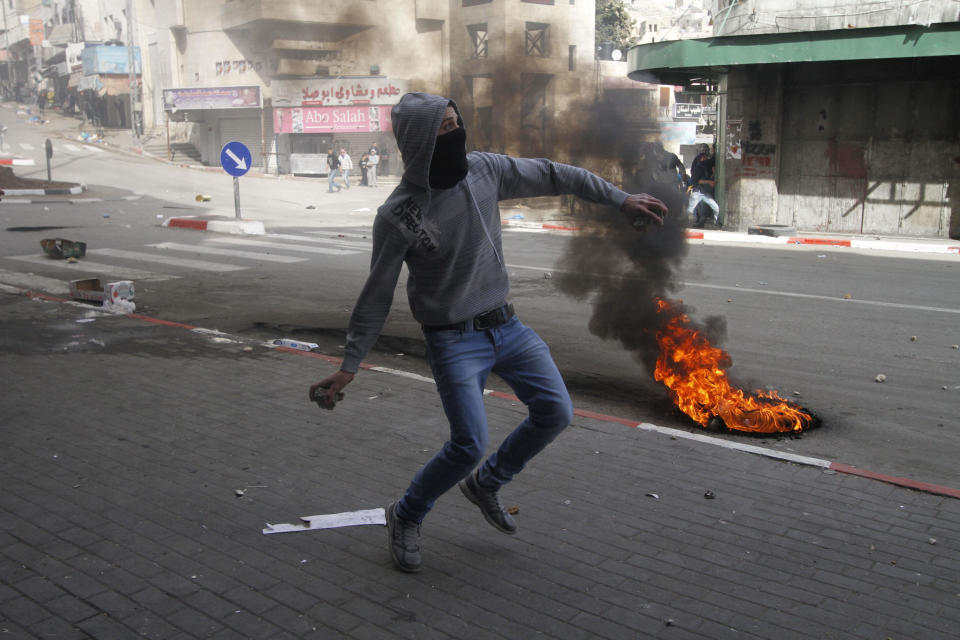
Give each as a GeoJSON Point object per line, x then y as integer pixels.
{"type": "Point", "coordinates": [226, 114]}
{"type": "Point", "coordinates": [311, 116]}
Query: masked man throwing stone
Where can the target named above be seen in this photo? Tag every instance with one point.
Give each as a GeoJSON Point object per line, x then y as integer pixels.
{"type": "Point", "coordinates": [443, 221]}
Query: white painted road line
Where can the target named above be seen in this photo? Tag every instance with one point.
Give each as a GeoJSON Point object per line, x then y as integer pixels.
{"type": "Point", "coordinates": [87, 269]}
{"type": "Point", "coordinates": [266, 257]}
{"type": "Point", "coordinates": [774, 292]}
{"type": "Point", "coordinates": [810, 296]}
{"type": "Point", "coordinates": [26, 146]}
{"type": "Point", "coordinates": [71, 148]}
{"type": "Point", "coordinates": [187, 263]}
{"type": "Point", "coordinates": [285, 247]}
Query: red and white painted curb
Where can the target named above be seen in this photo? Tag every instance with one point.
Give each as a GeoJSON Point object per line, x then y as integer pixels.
{"type": "Point", "coordinates": [853, 243]}
{"type": "Point", "coordinates": [17, 162]}
{"type": "Point", "coordinates": [237, 227]}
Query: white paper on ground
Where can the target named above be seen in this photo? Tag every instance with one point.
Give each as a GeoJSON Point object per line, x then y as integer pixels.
{"type": "Point", "coordinates": [331, 521]}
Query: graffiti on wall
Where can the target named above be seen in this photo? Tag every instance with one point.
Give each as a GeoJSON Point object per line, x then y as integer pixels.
{"type": "Point", "coordinates": [757, 159]}
{"type": "Point", "coordinates": [227, 67]}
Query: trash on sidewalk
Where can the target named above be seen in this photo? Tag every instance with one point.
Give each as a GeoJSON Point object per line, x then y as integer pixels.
{"type": "Point", "coordinates": [93, 290]}
{"type": "Point", "coordinates": [61, 248]}
{"type": "Point", "coordinates": [331, 521]}
{"type": "Point", "coordinates": [203, 198]}
{"type": "Point", "coordinates": [295, 344]}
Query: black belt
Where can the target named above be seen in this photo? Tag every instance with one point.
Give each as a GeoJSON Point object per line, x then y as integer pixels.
{"type": "Point", "coordinates": [487, 320]}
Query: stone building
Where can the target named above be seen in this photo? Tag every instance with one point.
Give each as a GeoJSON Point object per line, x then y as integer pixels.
{"type": "Point", "coordinates": [835, 116]}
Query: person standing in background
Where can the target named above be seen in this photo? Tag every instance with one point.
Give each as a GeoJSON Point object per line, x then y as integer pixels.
{"type": "Point", "coordinates": [372, 161]}
{"type": "Point", "coordinates": [345, 165]}
{"type": "Point", "coordinates": [333, 166]}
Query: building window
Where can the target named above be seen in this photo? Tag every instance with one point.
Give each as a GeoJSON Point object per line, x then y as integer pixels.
{"type": "Point", "coordinates": [478, 39]}
{"type": "Point", "coordinates": [572, 58]}
{"type": "Point", "coordinates": [471, 3]}
{"type": "Point", "coordinates": [537, 36]}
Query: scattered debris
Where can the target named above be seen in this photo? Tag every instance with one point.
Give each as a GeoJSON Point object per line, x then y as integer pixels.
{"type": "Point", "coordinates": [709, 495]}
{"type": "Point", "coordinates": [932, 541]}
{"type": "Point", "coordinates": [668, 622]}
{"type": "Point", "coordinates": [847, 296]}
{"type": "Point", "coordinates": [955, 346]}
{"type": "Point", "coordinates": [239, 492]}
{"type": "Point", "coordinates": [513, 510]}
{"type": "Point", "coordinates": [880, 377]}
{"type": "Point", "coordinates": [295, 344]}
{"type": "Point", "coordinates": [654, 496]}
{"type": "Point", "coordinates": [203, 198]}
{"type": "Point", "coordinates": [61, 248]}
{"type": "Point", "coordinates": [330, 521]}
{"type": "Point", "coordinates": [796, 393]}
{"type": "Point", "coordinates": [248, 349]}
{"type": "Point", "coordinates": [311, 206]}
{"type": "Point", "coordinates": [72, 260]}
{"type": "Point", "coordinates": [913, 338]}
{"type": "Point", "coordinates": [547, 275]}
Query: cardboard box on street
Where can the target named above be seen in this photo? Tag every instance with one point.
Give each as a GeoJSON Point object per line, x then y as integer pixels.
{"type": "Point", "coordinates": [92, 289]}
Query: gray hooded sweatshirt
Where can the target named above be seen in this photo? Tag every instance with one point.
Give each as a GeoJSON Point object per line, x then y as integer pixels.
{"type": "Point", "coordinates": [450, 238]}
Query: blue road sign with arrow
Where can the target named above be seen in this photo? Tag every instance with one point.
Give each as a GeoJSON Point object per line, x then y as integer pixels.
{"type": "Point", "coordinates": [235, 158]}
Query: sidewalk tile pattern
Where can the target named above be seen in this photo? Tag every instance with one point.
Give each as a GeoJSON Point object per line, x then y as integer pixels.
{"type": "Point", "coordinates": [119, 516]}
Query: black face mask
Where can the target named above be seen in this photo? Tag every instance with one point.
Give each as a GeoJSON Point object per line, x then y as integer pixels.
{"type": "Point", "coordinates": [449, 163]}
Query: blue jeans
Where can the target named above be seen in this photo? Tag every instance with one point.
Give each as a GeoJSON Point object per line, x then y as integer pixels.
{"type": "Point", "coordinates": [332, 184]}
{"type": "Point", "coordinates": [461, 362]}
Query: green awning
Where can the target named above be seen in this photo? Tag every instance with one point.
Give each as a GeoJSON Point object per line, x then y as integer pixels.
{"type": "Point", "coordinates": [675, 61]}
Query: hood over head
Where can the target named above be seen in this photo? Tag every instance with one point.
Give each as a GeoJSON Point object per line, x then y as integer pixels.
{"type": "Point", "coordinates": [416, 120]}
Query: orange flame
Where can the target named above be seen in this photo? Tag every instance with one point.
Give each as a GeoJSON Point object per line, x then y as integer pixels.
{"type": "Point", "coordinates": [695, 373]}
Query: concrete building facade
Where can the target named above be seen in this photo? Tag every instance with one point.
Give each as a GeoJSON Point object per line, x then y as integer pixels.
{"type": "Point", "coordinates": [834, 116]}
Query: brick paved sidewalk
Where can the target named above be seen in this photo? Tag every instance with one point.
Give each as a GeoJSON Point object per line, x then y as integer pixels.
{"type": "Point", "coordinates": [124, 443]}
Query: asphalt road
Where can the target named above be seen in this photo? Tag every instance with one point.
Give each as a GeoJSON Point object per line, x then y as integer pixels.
{"type": "Point", "coordinates": [817, 325]}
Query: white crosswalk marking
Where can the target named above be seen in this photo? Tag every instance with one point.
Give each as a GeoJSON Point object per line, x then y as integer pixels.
{"type": "Point", "coordinates": [188, 263]}
{"type": "Point", "coordinates": [285, 247]}
{"type": "Point", "coordinates": [26, 146]}
{"type": "Point", "coordinates": [339, 242]}
{"type": "Point", "coordinates": [94, 149]}
{"type": "Point", "coordinates": [34, 282]}
{"type": "Point", "coordinates": [85, 268]}
{"type": "Point", "coordinates": [195, 248]}
{"type": "Point", "coordinates": [71, 147]}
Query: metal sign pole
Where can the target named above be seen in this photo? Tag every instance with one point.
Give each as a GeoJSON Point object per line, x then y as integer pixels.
{"type": "Point", "coordinates": [48, 147]}
{"type": "Point", "coordinates": [236, 195]}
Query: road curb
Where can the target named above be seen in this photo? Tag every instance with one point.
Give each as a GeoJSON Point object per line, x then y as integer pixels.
{"type": "Point", "coordinates": [18, 162]}
{"type": "Point", "coordinates": [826, 465]}
{"type": "Point", "coordinates": [46, 192]}
{"type": "Point", "coordinates": [235, 227]}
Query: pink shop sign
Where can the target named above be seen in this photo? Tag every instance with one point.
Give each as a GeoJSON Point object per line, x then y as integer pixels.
{"type": "Point", "coordinates": [331, 119]}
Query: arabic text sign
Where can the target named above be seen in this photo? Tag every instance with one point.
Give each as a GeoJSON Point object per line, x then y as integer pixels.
{"type": "Point", "coordinates": [337, 92]}
{"type": "Point", "coordinates": [331, 119]}
{"type": "Point", "coordinates": [211, 98]}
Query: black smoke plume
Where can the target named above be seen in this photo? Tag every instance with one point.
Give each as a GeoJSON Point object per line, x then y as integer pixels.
{"type": "Point", "coordinates": [621, 270]}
